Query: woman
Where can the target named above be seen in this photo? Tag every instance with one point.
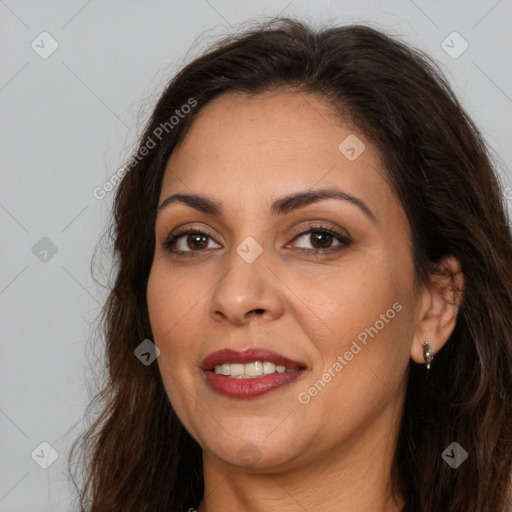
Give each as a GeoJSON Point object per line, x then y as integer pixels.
{"type": "Point", "coordinates": [312, 235]}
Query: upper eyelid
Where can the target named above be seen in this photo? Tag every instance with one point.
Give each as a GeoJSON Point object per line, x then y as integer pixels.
{"type": "Point", "coordinates": [311, 225]}
{"type": "Point", "coordinates": [298, 222]}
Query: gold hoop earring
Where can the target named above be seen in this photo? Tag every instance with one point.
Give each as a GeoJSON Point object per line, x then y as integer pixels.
{"type": "Point", "coordinates": [428, 354]}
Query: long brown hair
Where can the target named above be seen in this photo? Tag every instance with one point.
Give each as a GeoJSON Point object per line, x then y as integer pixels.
{"type": "Point", "coordinates": [136, 456]}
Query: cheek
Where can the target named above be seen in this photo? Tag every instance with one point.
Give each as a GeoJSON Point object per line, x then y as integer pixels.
{"type": "Point", "coordinates": [344, 305]}
{"type": "Point", "coordinates": [171, 301]}
{"type": "Point", "coordinates": [360, 322]}
{"type": "Point", "coordinates": [172, 310]}
{"type": "Point", "coordinates": [173, 307]}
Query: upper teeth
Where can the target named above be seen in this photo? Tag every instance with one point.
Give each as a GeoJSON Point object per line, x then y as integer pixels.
{"type": "Point", "coordinates": [248, 370]}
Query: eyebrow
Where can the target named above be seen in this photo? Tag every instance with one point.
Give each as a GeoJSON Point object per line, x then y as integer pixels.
{"type": "Point", "coordinates": [281, 206]}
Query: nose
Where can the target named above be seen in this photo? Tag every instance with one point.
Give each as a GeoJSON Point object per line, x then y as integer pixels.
{"type": "Point", "coordinates": [247, 291]}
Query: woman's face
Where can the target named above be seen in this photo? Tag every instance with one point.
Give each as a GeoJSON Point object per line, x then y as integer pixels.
{"type": "Point", "coordinates": [261, 274]}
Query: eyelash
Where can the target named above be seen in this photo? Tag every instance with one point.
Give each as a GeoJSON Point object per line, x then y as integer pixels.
{"type": "Point", "coordinates": [343, 239]}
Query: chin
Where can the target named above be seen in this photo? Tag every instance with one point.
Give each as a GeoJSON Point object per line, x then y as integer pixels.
{"type": "Point", "coordinates": [256, 449]}
{"type": "Point", "coordinates": [256, 457]}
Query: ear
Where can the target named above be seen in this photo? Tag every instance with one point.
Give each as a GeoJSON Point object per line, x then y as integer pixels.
{"type": "Point", "coordinates": [439, 306]}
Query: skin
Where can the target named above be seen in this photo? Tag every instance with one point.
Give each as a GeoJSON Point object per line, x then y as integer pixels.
{"type": "Point", "coordinates": [245, 152]}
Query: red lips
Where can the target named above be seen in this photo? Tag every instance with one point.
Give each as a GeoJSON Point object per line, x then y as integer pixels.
{"type": "Point", "coordinates": [248, 356]}
{"type": "Point", "coordinates": [254, 387]}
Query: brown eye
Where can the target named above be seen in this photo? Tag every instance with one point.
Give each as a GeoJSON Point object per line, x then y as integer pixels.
{"type": "Point", "coordinates": [322, 239]}
{"type": "Point", "coordinates": [187, 241]}
{"type": "Point", "coordinates": [194, 241]}
{"type": "Point", "coordinates": [197, 241]}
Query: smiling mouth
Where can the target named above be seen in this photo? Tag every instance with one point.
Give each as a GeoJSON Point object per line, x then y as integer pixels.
{"type": "Point", "coordinates": [249, 373]}
{"type": "Point", "coordinates": [252, 362]}
{"type": "Point", "coordinates": [252, 370]}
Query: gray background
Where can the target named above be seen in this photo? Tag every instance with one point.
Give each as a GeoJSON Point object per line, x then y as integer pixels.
{"type": "Point", "coordinates": [67, 124]}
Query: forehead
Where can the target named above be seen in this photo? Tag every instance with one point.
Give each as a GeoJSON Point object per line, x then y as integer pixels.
{"type": "Point", "coordinates": [248, 147]}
